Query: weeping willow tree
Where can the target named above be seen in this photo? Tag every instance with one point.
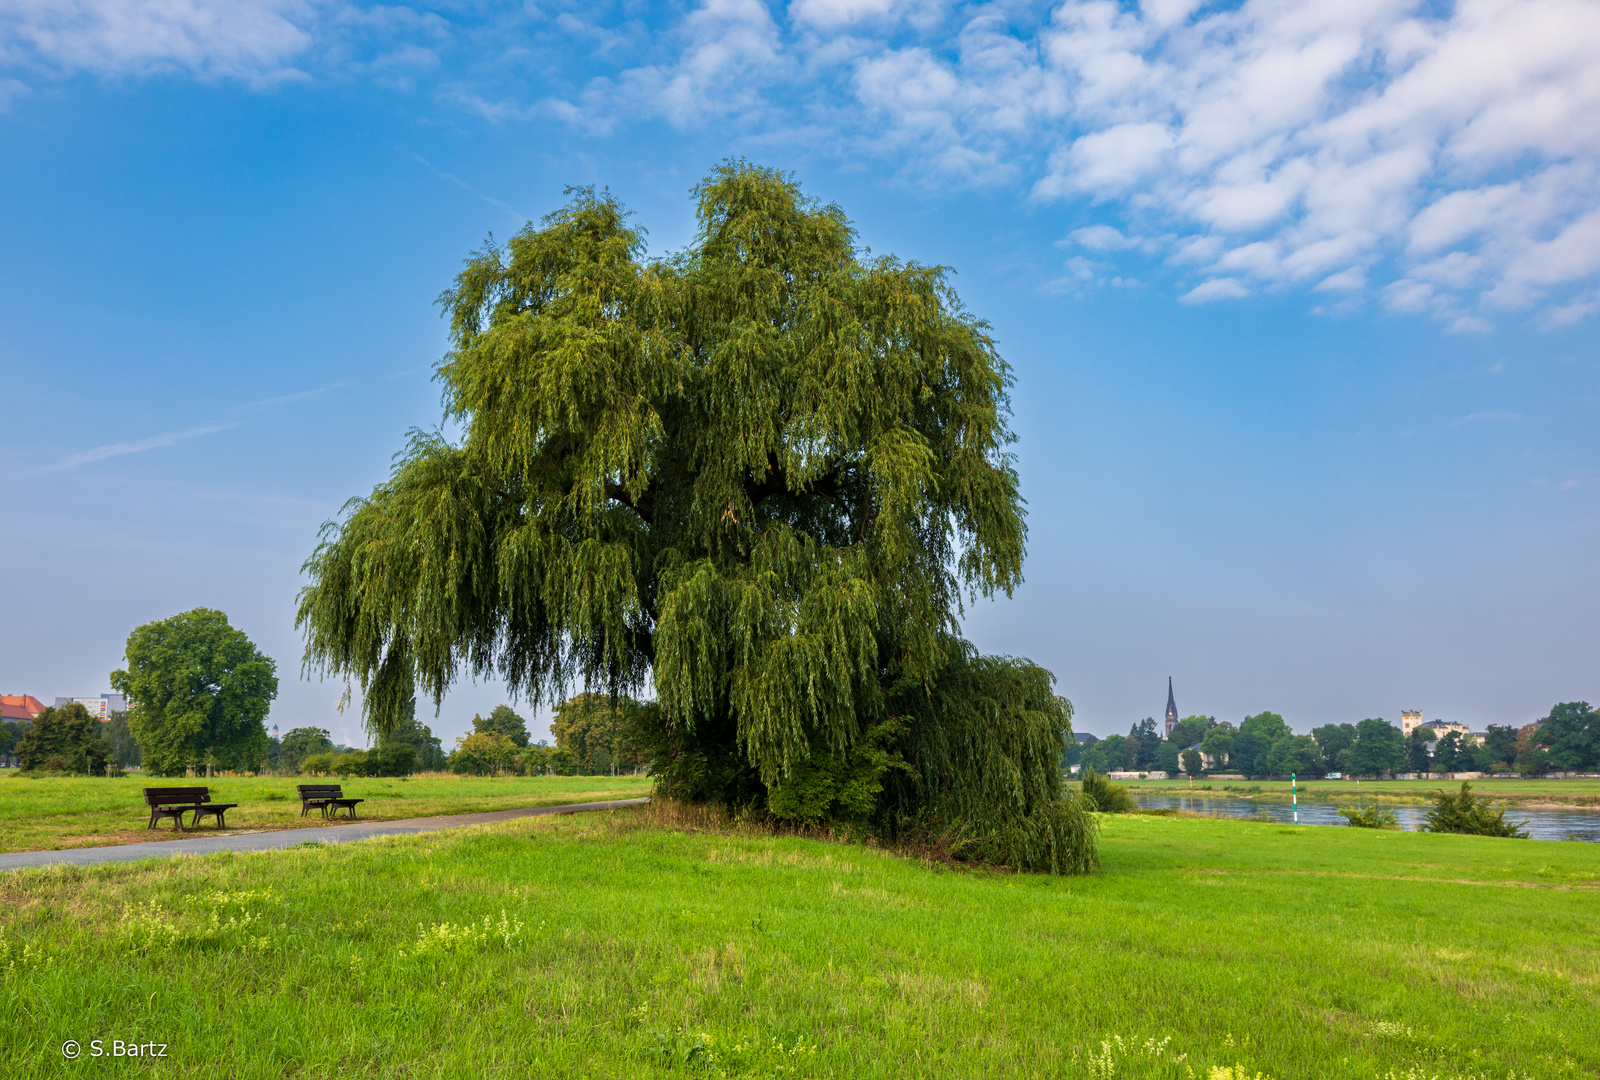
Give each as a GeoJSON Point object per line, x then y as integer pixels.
{"type": "Point", "coordinates": [759, 477]}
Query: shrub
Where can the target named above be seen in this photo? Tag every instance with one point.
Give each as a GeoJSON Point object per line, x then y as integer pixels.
{"type": "Point", "coordinates": [1106, 796]}
{"type": "Point", "coordinates": [392, 759]}
{"type": "Point", "coordinates": [355, 763]}
{"type": "Point", "coordinates": [318, 764]}
{"type": "Point", "coordinates": [1467, 813]}
{"type": "Point", "coordinates": [1369, 817]}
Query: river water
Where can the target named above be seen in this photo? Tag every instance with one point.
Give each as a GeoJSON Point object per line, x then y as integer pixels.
{"type": "Point", "coordinates": [1541, 824]}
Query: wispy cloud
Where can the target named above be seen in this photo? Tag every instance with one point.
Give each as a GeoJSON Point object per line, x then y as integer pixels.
{"type": "Point", "coordinates": [172, 438]}
{"type": "Point", "coordinates": [464, 186]}
{"type": "Point", "coordinates": [301, 396]}
{"type": "Point", "coordinates": [137, 446]}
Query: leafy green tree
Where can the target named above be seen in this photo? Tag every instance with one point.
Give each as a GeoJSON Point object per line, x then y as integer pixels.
{"type": "Point", "coordinates": [1447, 753]}
{"type": "Point", "coordinates": [197, 690]}
{"type": "Point", "coordinates": [760, 475]}
{"type": "Point", "coordinates": [1218, 743]}
{"type": "Point", "coordinates": [506, 722]}
{"type": "Point", "coordinates": [1167, 757]}
{"type": "Point", "coordinates": [1531, 755]}
{"type": "Point", "coordinates": [1534, 761]}
{"type": "Point", "coordinates": [1254, 742]}
{"type": "Point", "coordinates": [483, 753]}
{"type": "Point", "coordinates": [124, 747]}
{"type": "Point", "coordinates": [1190, 730]}
{"type": "Point", "coordinates": [598, 729]}
{"type": "Point", "coordinates": [11, 733]}
{"type": "Point", "coordinates": [1193, 764]}
{"type": "Point", "coordinates": [392, 758]}
{"type": "Point", "coordinates": [1110, 754]}
{"type": "Point", "coordinates": [1474, 757]}
{"type": "Point", "coordinates": [1335, 741]}
{"type": "Point", "coordinates": [1500, 746]}
{"type": "Point", "coordinates": [320, 764]}
{"type": "Point", "coordinates": [1294, 755]}
{"type": "Point", "coordinates": [298, 743]}
{"type": "Point", "coordinates": [1571, 734]}
{"type": "Point", "coordinates": [1267, 726]}
{"type": "Point", "coordinates": [427, 753]}
{"type": "Point", "coordinates": [1418, 758]}
{"type": "Point", "coordinates": [67, 738]}
{"type": "Point", "coordinates": [1148, 739]}
{"type": "Point", "coordinates": [1379, 748]}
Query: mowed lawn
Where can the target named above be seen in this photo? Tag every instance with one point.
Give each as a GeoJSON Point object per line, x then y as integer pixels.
{"type": "Point", "coordinates": [607, 946]}
{"type": "Point", "coordinates": [1579, 791]}
{"type": "Point", "coordinates": [47, 814]}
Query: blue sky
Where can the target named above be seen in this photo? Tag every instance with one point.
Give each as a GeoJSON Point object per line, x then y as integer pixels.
{"type": "Point", "coordinates": [1301, 299]}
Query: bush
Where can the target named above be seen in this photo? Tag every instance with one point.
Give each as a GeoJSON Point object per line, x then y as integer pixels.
{"type": "Point", "coordinates": [1369, 817]}
{"type": "Point", "coordinates": [354, 763]}
{"type": "Point", "coordinates": [318, 764]}
{"type": "Point", "coordinates": [392, 759]}
{"type": "Point", "coordinates": [1106, 796]}
{"type": "Point", "coordinates": [1469, 814]}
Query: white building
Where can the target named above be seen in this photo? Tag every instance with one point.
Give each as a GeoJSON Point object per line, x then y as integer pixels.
{"type": "Point", "coordinates": [100, 707]}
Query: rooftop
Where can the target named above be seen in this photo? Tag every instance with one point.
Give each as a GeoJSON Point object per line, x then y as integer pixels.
{"type": "Point", "coordinates": [19, 706]}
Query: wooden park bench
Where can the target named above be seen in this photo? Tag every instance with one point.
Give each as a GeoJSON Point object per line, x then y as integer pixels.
{"type": "Point", "coordinates": [327, 798]}
{"type": "Point", "coordinates": [174, 802]}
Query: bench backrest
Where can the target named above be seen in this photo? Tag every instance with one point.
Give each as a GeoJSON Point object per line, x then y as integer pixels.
{"type": "Point", "coordinates": [160, 796]}
{"type": "Point", "coordinates": [320, 791]}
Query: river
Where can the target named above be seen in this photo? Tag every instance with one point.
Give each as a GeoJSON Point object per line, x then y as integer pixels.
{"type": "Point", "coordinates": [1574, 824]}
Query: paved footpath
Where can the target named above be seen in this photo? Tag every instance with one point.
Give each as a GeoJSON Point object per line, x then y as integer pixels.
{"type": "Point", "coordinates": [200, 844]}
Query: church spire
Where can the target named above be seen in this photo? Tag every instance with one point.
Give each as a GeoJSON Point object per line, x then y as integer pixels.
{"type": "Point", "coordinates": [1172, 708]}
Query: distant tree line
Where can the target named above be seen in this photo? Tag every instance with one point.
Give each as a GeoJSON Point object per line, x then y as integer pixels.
{"type": "Point", "coordinates": [1568, 740]}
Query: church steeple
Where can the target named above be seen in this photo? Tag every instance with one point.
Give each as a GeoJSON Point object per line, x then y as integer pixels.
{"type": "Point", "coordinates": [1172, 709]}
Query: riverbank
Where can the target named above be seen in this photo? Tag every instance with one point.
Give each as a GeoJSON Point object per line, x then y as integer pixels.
{"type": "Point", "coordinates": [1578, 792]}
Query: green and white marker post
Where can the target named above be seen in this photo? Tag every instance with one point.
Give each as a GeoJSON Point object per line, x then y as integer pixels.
{"type": "Point", "coordinates": [1294, 793]}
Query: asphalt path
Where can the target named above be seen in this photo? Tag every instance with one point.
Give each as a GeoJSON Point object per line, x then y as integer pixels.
{"type": "Point", "coordinates": [195, 843]}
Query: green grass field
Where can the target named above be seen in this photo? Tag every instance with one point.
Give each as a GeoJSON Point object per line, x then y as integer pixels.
{"type": "Point", "coordinates": [613, 945]}
{"type": "Point", "coordinates": [1575, 792]}
{"type": "Point", "coordinates": [48, 814]}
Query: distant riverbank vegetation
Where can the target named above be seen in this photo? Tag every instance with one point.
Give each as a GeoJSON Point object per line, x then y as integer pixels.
{"type": "Point", "coordinates": [1567, 740]}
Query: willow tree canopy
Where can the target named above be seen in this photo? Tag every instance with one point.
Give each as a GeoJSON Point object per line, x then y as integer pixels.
{"type": "Point", "coordinates": [760, 474]}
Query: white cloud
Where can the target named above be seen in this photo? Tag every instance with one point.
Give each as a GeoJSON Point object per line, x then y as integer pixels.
{"type": "Point", "coordinates": [1444, 158]}
{"type": "Point", "coordinates": [253, 40]}
{"type": "Point", "coordinates": [1216, 289]}
{"type": "Point", "coordinates": [1102, 238]}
